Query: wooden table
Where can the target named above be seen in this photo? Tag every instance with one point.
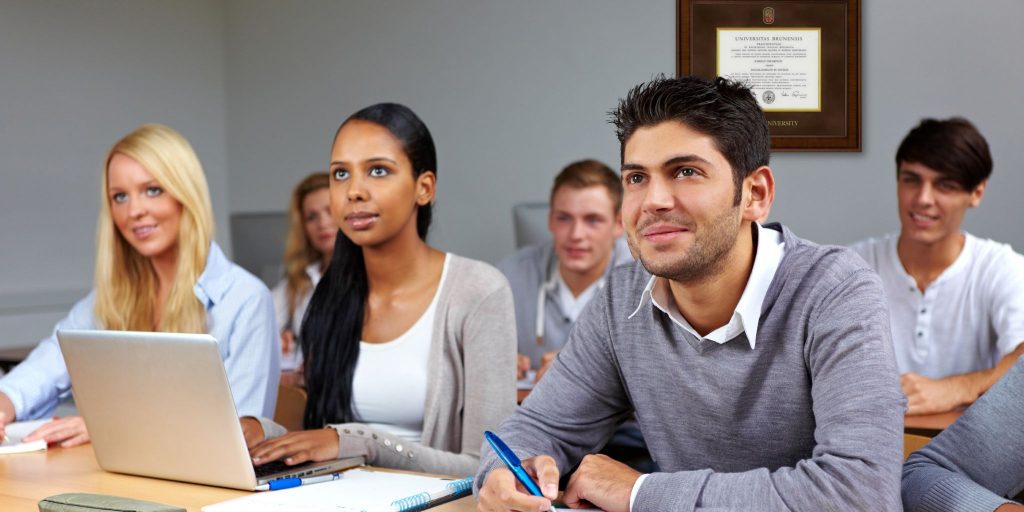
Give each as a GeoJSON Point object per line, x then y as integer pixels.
{"type": "Point", "coordinates": [929, 424]}
{"type": "Point", "coordinates": [26, 478]}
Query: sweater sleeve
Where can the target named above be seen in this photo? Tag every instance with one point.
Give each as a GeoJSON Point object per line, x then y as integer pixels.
{"type": "Point", "coordinates": [489, 348]}
{"type": "Point", "coordinates": [858, 413]}
{"type": "Point", "coordinates": [576, 406]}
{"type": "Point", "coordinates": [976, 462]}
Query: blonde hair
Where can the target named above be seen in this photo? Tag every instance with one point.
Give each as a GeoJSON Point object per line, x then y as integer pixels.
{"type": "Point", "coordinates": [298, 248]}
{"type": "Point", "coordinates": [126, 284]}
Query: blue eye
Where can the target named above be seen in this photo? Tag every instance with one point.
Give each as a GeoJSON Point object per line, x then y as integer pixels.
{"type": "Point", "coordinates": [378, 171]}
{"type": "Point", "coordinates": [153, 191]}
{"type": "Point", "coordinates": [119, 197]}
{"type": "Point", "coordinates": [340, 174]}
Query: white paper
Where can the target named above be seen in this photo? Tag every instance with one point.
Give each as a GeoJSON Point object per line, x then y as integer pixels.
{"type": "Point", "coordinates": [16, 431]}
{"type": "Point", "coordinates": [358, 490]}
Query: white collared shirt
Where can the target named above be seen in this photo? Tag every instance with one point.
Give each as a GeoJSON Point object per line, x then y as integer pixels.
{"type": "Point", "coordinates": [770, 249]}
{"type": "Point", "coordinates": [745, 318]}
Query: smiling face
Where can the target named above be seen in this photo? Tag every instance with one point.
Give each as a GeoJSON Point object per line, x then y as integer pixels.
{"type": "Point", "coordinates": [319, 225]}
{"type": "Point", "coordinates": [678, 209]}
{"type": "Point", "coordinates": [931, 204]}
{"type": "Point", "coordinates": [145, 215]}
{"type": "Point", "coordinates": [584, 225]}
{"type": "Point", "coordinates": [374, 193]}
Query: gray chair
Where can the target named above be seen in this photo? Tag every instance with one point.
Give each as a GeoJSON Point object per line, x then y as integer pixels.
{"type": "Point", "coordinates": [531, 223]}
{"type": "Point", "coordinates": [257, 243]}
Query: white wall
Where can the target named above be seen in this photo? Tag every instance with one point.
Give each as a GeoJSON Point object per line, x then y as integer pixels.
{"type": "Point", "coordinates": [512, 91]}
{"type": "Point", "coordinates": [75, 77]}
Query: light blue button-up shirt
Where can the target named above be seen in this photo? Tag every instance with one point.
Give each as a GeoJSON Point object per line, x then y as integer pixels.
{"type": "Point", "coordinates": [239, 314]}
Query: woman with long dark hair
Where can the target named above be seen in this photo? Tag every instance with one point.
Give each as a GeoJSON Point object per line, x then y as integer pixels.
{"type": "Point", "coordinates": [410, 352]}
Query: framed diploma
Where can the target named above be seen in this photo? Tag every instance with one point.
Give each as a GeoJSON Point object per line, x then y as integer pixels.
{"type": "Point", "coordinates": [801, 59]}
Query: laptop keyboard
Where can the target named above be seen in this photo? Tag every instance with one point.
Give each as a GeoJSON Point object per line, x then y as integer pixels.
{"type": "Point", "coordinates": [278, 466]}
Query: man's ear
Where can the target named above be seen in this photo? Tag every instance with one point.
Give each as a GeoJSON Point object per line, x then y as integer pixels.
{"type": "Point", "coordinates": [978, 193]}
{"type": "Point", "coordinates": [618, 224]}
{"type": "Point", "coordinates": [758, 194]}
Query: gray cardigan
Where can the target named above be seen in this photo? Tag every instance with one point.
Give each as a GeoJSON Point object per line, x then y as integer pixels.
{"type": "Point", "coordinates": [471, 386]}
{"type": "Point", "coordinates": [809, 419]}
{"type": "Point", "coordinates": [976, 462]}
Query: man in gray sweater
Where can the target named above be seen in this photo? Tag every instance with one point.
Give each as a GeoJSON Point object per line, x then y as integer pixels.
{"type": "Point", "coordinates": [976, 463]}
{"type": "Point", "coordinates": [759, 365]}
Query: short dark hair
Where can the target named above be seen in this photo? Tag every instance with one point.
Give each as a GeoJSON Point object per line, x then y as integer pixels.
{"type": "Point", "coordinates": [723, 109]}
{"type": "Point", "coordinates": [953, 147]}
{"type": "Point", "coordinates": [590, 173]}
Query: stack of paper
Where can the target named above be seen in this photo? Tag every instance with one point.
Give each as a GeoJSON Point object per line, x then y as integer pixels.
{"type": "Point", "coordinates": [15, 431]}
{"type": "Point", "coordinates": [358, 490]}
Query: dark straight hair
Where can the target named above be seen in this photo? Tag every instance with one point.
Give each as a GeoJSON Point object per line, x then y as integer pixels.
{"type": "Point", "coordinates": [722, 109]}
{"type": "Point", "coordinates": [333, 324]}
{"type": "Point", "coordinates": [952, 147]}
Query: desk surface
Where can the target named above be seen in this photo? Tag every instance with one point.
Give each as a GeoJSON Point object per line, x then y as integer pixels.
{"type": "Point", "coordinates": [930, 424]}
{"type": "Point", "coordinates": [27, 478]}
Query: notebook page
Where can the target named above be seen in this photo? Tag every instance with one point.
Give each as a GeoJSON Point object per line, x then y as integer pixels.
{"type": "Point", "coordinates": [16, 431]}
{"type": "Point", "coordinates": [358, 490]}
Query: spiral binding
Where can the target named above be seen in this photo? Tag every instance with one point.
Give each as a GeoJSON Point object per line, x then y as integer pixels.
{"type": "Point", "coordinates": [461, 486]}
{"type": "Point", "coordinates": [424, 500]}
{"type": "Point", "coordinates": [412, 503]}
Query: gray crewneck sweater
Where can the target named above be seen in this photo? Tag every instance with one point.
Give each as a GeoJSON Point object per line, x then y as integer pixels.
{"type": "Point", "coordinates": [977, 461]}
{"type": "Point", "coordinates": [810, 419]}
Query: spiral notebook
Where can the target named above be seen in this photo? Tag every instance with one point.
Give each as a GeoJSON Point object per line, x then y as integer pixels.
{"type": "Point", "coordinates": [358, 490]}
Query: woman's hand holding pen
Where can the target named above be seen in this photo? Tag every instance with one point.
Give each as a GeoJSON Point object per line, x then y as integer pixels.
{"type": "Point", "coordinates": [298, 447]}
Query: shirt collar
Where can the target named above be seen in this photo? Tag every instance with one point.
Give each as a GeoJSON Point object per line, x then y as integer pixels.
{"type": "Point", "coordinates": [313, 272]}
{"type": "Point", "coordinates": [214, 282]}
{"type": "Point", "coordinates": [745, 318]}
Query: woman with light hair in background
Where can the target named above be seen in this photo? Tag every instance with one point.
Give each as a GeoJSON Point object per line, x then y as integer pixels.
{"type": "Point", "coordinates": [307, 252]}
{"type": "Point", "coordinates": [157, 269]}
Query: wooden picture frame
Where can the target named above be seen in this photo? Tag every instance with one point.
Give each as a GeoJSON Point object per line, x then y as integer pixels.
{"type": "Point", "coordinates": [801, 58]}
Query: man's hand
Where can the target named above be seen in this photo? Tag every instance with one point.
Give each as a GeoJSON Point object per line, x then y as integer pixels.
{"type": "Point", "coordinates": [297, 447]}
{"type": "Point", "coordinates": [929, 396]}
{"type": "Point", "coordinates": [252, 430]}
{"type": "Point", "coordinates": [522, 366]}
{"type": "Point", "coordinates": [68, 431]}
{"type": "Point", "coordinates": [545, 363]}
{"type": "Point", "coordinates": [501, 491]}
{"type": "Point", "coordinates": [603, 482]}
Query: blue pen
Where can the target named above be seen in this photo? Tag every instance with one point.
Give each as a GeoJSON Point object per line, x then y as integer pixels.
{"type": "Point", "coordinates": [513, 463]}
{"type": "Point", "coordinates": [288, 483]}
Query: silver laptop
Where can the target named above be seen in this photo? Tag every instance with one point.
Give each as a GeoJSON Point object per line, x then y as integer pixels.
{"type": "Point", "coordinates": [159, 405]}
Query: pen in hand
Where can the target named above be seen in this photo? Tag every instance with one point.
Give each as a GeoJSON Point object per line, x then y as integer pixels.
{"type": "Point", "coordinates": [514, 464]}
{"type": "Point", "coordinates": [288, 483]}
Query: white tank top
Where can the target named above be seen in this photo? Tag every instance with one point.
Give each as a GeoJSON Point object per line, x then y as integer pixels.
{"type": "Point", "coordinates": [389, 388]}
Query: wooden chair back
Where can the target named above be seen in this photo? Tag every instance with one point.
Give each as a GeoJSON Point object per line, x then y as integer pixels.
{"type": "Point", "coordinates": [291, 406]}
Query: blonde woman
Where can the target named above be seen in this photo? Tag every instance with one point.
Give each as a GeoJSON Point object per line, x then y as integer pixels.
{"type": "Point", "coordinates": [308, 249]}
{"type": "Point", "coordinates": [157, 269]}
